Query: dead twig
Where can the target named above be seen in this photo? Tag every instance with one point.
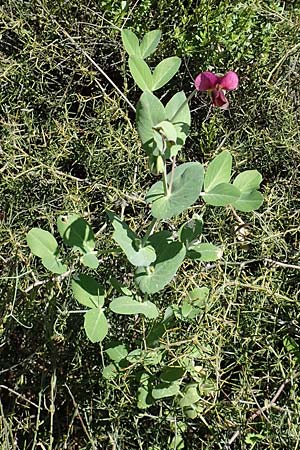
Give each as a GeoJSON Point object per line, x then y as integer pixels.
{"type": "Point", "coordinates": [258, 413]}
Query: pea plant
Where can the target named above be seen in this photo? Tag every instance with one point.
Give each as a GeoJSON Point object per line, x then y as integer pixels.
{"type": "Point", "coordinates": [156, 256]}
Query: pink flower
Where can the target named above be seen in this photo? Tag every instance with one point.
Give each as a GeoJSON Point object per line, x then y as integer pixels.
{"type": "Point", "coordinates": [217, 86]}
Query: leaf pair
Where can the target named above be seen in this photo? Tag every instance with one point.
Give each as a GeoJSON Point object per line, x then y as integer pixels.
{"type": "Point", "coordinates": [152, 81]}
{"type": "Point", "coordinates": [140, 71]}
{"type": "Point", "coordinates": [146, 48]}
{"type": "Point", "coordinates": [88, 292]}
{"type": "Point", "coordinates": [242, 193]}
{"type": "Point", "coordinates": [75, 232]}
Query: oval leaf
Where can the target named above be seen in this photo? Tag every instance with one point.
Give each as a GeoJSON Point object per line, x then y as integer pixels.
{"type": "Point", "coordinates": [186, 188]}
{"type": "Point", "coordinates": [149, 43]}
{"type": "Point", "coordinates": [53, 264]}
{"type": "Point", "coordinates": [42, 243]}
{"type": "Point", "coordinates": [249, 201]}
{"type": "Point", "coordinates": [110, 372]}
{"type": "Point", "coordinates": [149, 112]}
{"type": "Point", "coordinates": [76, 232]}
{"type": "Point", "coordinates": [221, 195]}
{"type": "Point", "coordinates": [168, 130]}
{"type": "Point", "coordinates": [164, 71]}
{"type": "Point", "coordinates": [126, 305]}
{"type": "Point", "coordinates": [90, 260]}
{"type": "Point", "coordinates": [204, 252]}
{"type": "Point", "coordinates": [218, 171]}
{"type": "Point", "coordinates": [189, 396]}
{"type": "Point", "coordinates": [87, 291]}
{"type": "Point", "coordinates": [144, 396]}
{"type": "Point", "coordinates": [248, 181]}
{"type": "Point", "coordinates": [141, 73]}
{"type": "Point", "coordinates": [117, 351]}
{"type": "Point", "coordinates": [169, 259]}
{"type": "Point", "coordinates": [131, 43]}
{"type": "Point", "coordinates": [178, 112]}
{"type": "Point", "coordinates": [163, 390]}
{"type": "Point", "coordinates": [191, 230]}
{"type": "Point", "coordinates": [170, 374]}
{"type": "Point", "coordinates": [95, 325]}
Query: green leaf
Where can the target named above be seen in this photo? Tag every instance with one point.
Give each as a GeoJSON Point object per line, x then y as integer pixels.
{"type": "Point", "coordinates": [222, 195]}
{"type": "Point", "coordinates": [42, 243]}
{"type": "Point", "coordinates": [191, 411]}
{"type": "Point", "coordinates": [178, 112]}
{"type": "Point", "coordinates": [141, 73]}
{"type": "Point", "coordinates": [144, 396]}
{"type": "Point", "coordinates": [188, 311]}
{"type": "Point", "coordinates": [87, 291]}
{"type": "Point", "coordinates": [130, 43]}
{"type": "Point", "coordinates": [76, 232]}
{"type": "Point", "coordinates": [135, 356]}
{"type": "Point", "coordinates": [149, 43]}
{"type": "Point", "coordinates": [204, 252]}
{"type": "Point", "coordinates": [191, 230]}
{"type": "Point", "coordinates": [90, 260]}
{"type": "Point", "coordinates": [126, 305]}
{"type": "Point", "coordinates": [218, 171]}
{"type": "Point", "coordinates": [110, 372]}
{"type": "Point", "coordinates": [177, 109]}
{"type": "Point", "coordinates": [163, 390]}
{"type": "Point", "coordinates": [129, 243]}
{"type": "Point", "coordinates": [155, 334]}
{"type": "Point", "coordinates": [116, 351]}
{"type": "Point", "coordinates": [170, 374]}
{"type": "Point", "coordinates": [168, 130]}
{"type": "Point", "coordinates": [248, 181]}
{"type": "Point", "coordinates": [190, 395]}
{"type": "Point", "coordinates": [152, 357]}
{"type": "Point", "coordinates": [95, 325]}
{"type": "Point", "coordinates": [53, 264]}
{"type": "Point", "coordinates": [149, 112]}
{"type": "Point", "coordinates": [198, 296]}
{"type": "Point", "coordinates": [253, 438]}
{"type": "Point", "coordinates": [186, 188]}
{"type": "Point", "coordinates": [169, 258]}
{"type": "Point", "coordinates": [164, 71]}
{"type": "Point", "coordinates": [248, 201]}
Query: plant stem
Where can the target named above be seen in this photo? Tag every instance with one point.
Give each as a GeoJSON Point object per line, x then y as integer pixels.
{"type": "Point", "coordinates": [164, 180]}
{"type": "Point", "coordinates": [150, 229]}
{"type": "Point", "coordinates": [183, 104]}
{"type": "Point", "coordinates": [172, 175]}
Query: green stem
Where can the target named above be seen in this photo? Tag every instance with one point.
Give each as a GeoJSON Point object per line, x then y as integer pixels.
{"type": "Point", "coordinates": [183, 104]}
{"type": "Point", "coordinates": [172, 175]}
{"type": "Point", "coordinates": [150, 229]}
{"type": "Point", "coordinates": [164, 180]}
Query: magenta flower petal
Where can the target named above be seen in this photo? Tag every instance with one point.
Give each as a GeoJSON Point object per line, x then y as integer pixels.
{"type": "Point", "coordinates": [219, 99]}
{"type": "Point", "coordinates": [206, 81]}
{"type": "Point", "coordinates": [230, 81]}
